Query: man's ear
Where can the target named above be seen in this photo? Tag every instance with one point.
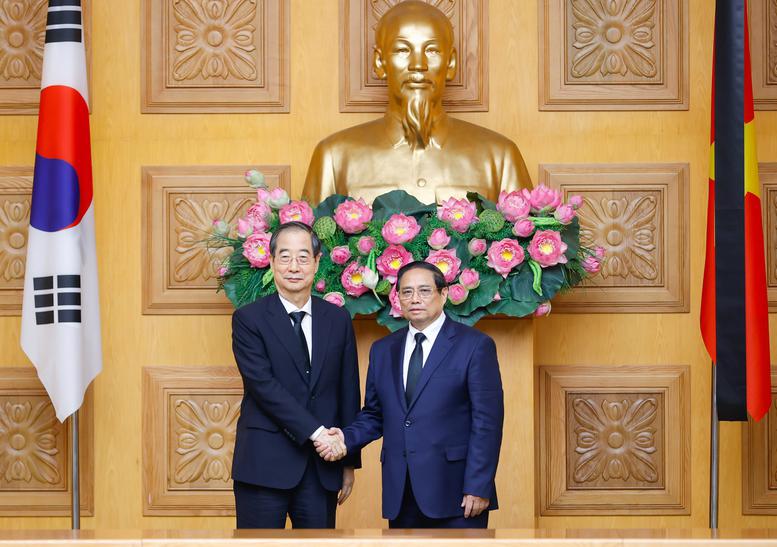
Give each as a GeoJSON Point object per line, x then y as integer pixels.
{"type": "Point", "coordinates": [452, 65]}
{"type": "Point", "coordinates": [378, 66]}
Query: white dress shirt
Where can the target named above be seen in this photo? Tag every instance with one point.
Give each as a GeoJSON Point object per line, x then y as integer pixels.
{"type": "Point", "coordinates": [307, 329]}
{"type": "Point", "coordinates": [431, 333]}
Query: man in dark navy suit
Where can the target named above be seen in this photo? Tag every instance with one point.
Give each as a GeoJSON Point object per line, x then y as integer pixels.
{"type": "Point", "coordinates": [297, 358]}
{"type": "Point", "coordinates": [434, 393]}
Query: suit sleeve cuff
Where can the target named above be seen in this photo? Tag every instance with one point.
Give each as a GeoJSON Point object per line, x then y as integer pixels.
{"type": "Point", "coordinates": [316, 433]}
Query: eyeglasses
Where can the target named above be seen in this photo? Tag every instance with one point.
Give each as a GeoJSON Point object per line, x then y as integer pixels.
{"type": "Point", "coordinates": [424, 293]}
{"type": "Point", "coordinates": [285, 259]}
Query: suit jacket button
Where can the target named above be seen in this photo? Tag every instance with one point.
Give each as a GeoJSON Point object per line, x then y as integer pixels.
{"type": "Point", "coordinates": [407, 423]}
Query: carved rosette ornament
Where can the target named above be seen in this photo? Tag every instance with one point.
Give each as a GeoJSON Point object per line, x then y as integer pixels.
{"type": "Point", "coordinates": [215, 39]}
{"type": "Point", "coordinates": [614, 37]}
{"type": "Point", "coordinates": [22, 31]}
{"type": "Point", "coordinates": [205, 440]}
{"type": "Point", "coordinates": [28, 445]}
{"type": "Point", "coordinates": [14, 221]}
{"type": "Point", "coordinates": [615, 441]}
{"type": "Point", "coordinates": [626, 228]}
{"type": "Point", "coordinates": [194, 260]}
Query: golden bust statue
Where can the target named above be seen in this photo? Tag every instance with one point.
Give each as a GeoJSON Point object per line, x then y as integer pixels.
{"type": "Point", "coordinates": [415, 146]}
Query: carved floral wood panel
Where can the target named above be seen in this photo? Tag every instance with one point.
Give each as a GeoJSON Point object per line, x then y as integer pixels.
{"type": "Point", "coordinates": [22, 36]}
{"type": "Point", "coordinates": [639, 214]}
{"type": "Point", "coordinates": [35, 449]}
{"type": "Point", "coordinates": [759, 461]}
{"type": "Point", "coordinates": [179, 207]}
{"type": "Point", "coordinates": [188, 439]}
{"type": "Point", "coordinates": [763, 49]}
{"type": "Point", "coordinates": [614, 440]}
{"type": "Point", "coordinates": [362, 91]}
{"type": "Point", "coordinates": [215, 56]}
{"type": "Point", "coordinates": [614, 55]}
{"type": "Point", "coordinates": [15, 200]}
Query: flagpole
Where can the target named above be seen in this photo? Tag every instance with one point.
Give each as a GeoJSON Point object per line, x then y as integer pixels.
{"type": "Point", "coordinates": [76, 509]}
{"type": "Point", "coordinates": [714, 451]}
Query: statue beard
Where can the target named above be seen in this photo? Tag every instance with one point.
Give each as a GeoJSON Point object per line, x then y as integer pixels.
{"type": "Point", "coordinates": [417, 122]}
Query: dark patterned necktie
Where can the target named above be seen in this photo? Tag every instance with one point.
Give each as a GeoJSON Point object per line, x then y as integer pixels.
{"type": "Point", "coordinates": [297, 317]}
{"type": "Point", "coordinates": [414, 367]}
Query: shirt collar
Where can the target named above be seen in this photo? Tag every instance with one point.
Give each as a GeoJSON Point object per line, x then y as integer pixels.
{"type": "Point", "coordinates": [307, 308]}
{"type": "Point", "coordinates": [430, 331]}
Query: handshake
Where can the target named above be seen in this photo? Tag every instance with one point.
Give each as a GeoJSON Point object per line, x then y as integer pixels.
{"type": "Point", "coordinates": [330, 444]}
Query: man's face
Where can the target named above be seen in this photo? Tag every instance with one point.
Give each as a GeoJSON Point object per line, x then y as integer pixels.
{"type": "Point", "coordinates": [417, 58]}
{"type": "Point", "coordinates": [293, 264]}
{"type": "Point", "coordinates": [419, 299]}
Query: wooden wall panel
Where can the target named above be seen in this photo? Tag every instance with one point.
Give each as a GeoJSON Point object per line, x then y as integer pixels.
{"type": "Point", "coordinates": [639, 214]}
{"type": "Point", "coordinates": [15, 200]}
{"type": "Point", "coordinates": [215, 56]}
{"type": "Point", "coordinates": [188, 439]}
{"type": "Point", "coordinates": [613, 55]}
{"type": "Point", "coordinates": [763, 49]}
{"type": "Point", "coordinates": [767, 173]}
{"type": "Point", "coordinates": [362, 91]}
{"type": "Point", "coordinates": [179, 207]}
{"type": "Point", "coordinates": [614, 440]}
{"type": "Point", "coordinates": [35, 449]}
{"type": "Point", "coordinates": [759, 462]}
{"type": "Point", "coordinates": [22, 36]}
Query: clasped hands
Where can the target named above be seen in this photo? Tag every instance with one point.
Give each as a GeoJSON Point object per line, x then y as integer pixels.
{"type": "Point", "coordinates": [330, 444]}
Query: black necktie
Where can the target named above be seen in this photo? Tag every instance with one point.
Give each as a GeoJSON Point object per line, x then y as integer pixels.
{"type": "Point", "coordinates": [296, 317]}
{"type": "Point", "coordinates": [414, 367]}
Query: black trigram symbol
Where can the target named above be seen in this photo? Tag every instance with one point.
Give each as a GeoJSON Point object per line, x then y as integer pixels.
{"type": "Point", "coordinates": [67, 295]}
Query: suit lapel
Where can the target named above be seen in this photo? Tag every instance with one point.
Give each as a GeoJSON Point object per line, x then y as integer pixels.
{"type": "Point", "coordinates": [281, 325]}
{"type": "Point", "coordinates": [397, 354]}
{"type": "Point", "coordinates": [442, 345]}
{"type": "Point", "coordinates": [321, 327]}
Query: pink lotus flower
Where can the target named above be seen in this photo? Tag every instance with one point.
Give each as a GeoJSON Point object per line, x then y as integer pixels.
{"type": "Point", "coordinates": [298, 211]}
{"type": "Point", "coordinates": [459, 213]}
{"type": "Point", "coordinates": [523, 228]}
{"type": "Point", "coordinates": [256, 248]}
{"type": "Point", "coordinates": [220, 228]}
{"type": "Point", "coordinates": [392, 259]}
{"type": "Point", "coordinates": [353, 279]}
{"type": "Point", "coordinates": [262, 194]}
{"type": "Point", "coordinates": [513, 206]}
{"type": "Point", "coordinates": [542, 310]}
{"type": "Point", "coordinates": [576, 201]}
{"type": "Point", "coordinates": [457, 294]}
{"type": "Point", "coordinates": [400, 229]}
{"type": "Point", "coordinates": [593, 263]}
{"type": "Point", "coordinates": [277, 198]}
{"type": "Point", "coordinates": [396, 310]}
{"type": "Point", "coordinates": [565, 214]}
{"type": "Point", "coordinates": [353, 215]}
{"type": "Point", "coordinates": [447, 262]}
{"type": "Point", "coordinates": [258, 215]}
{"type": "Point", "coordinates": [255, 178]}
{"type": "Point", "coordinates": [335, 298]}
{"type": "Point", "coordinates": [321, 285]}
{"type": "Point", "coordinates": [365, 244]}
{"type": "Point", "coordinates": [504, 255]}
{"type": "Point", "coordinates": [547, 249]}
{"type": "Point", "coordinates": [438, 239]}
{"type": "Point", "coordinates": [223, 271]}
{"type": "Point", "coordinates": [470, 279]}
{"type": "Point", "coordinates": [244, 228]}
{"type": "Point", "coordinates": [477, 247]}
{"type": "Point", "coordinates": [340, 255]}
{"type": "Point", "coordinates": [542, 198]}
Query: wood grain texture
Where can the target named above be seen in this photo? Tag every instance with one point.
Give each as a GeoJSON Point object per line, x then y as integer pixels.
{"type": "Point", "coordinates": [35, 449]}
{"type": "Point", "coordinates": [759, 461]}
{"type": "Point", "coordinates": [362, 91]}
{"type": "Point", "coordinates": [639, 214]}
{"type": "Point", "coordinates": [180, 273]}
{"type": "Point", "coordinates": [767, 174]}
{"type": "Point", "coordinates": [614, 55]}
{"type": "Point", "coordinates": [215, 56]}
{"type": "Point", "coordinates": [15, 201]}
{"type": "Point", "coordinates": [613, 440]}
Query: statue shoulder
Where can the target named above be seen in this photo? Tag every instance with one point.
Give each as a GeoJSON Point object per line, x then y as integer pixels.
{"type": "Point", "coordinates": [349, 137]}
{"type": "Point", "coordinates": [483, 135]}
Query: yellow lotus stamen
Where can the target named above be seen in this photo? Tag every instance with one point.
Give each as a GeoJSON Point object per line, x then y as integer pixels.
{"type": "Point", "coordinates": [400, 231]}
{"type": "Point", "coordinates": [546, 248]}
{"type": "Point", "coordinates": [507, 255]}
{"type": "Point", "coordinates": [395, 264]}
{"type": "Point", "coordinates": [356, 278]}
{"type": "Point", "coordinates": [354, 215]}
{"type": "Point", "coordinates": [443, 266]}
{"type": "Point", "coordinates": [458, 215]}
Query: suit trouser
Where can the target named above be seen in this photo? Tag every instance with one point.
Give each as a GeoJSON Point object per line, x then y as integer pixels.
{"type": "Point", "coordinates": [308, 504]}
{"type": "Point", "coordinates": [411, 516]}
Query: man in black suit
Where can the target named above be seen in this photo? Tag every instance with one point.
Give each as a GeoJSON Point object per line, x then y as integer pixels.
{"type": "Point", "coordinates": [297, 358]}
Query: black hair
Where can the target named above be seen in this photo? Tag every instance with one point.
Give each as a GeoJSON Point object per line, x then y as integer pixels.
{"type": "Point", "coordinates": [295, 225]}
{"type": "Point", "coordinates": [439, 279]}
